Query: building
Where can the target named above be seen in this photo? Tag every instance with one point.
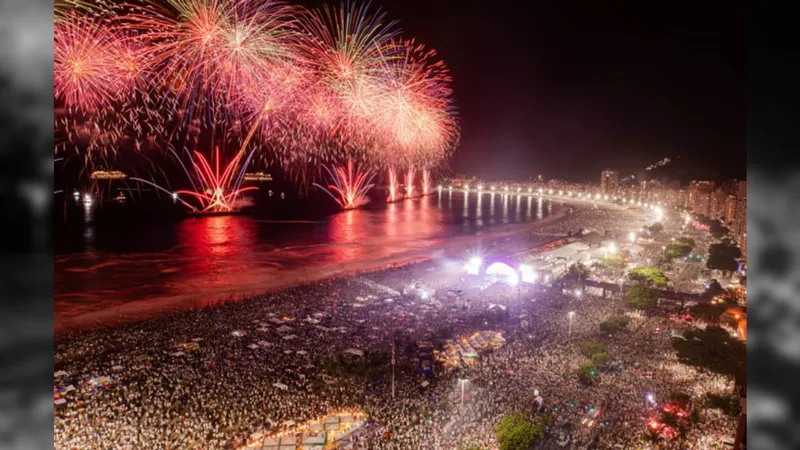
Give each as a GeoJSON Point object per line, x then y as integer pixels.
{"type": "Point", "coordinates": [739, 226]}
{"type": "Point", "coordinates": [700, 193]}
{"type": "Point", "coordinates": [719, 203]}
{"type": "Point", "coordinates": [608, 181]}
{"type": "Point", "coordinates": [730, 209]}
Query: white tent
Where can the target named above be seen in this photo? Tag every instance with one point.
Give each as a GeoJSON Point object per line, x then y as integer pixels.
{"type": "Point", "coordinates": [60, 401]}
{"type": "Point", "coordinates": [289, 338]}
{"type": "Point", "coordinates": [252, 346]}
{"type": "Point", "coordinates": [281, 386]}
{"type": "Point", "coordinates": [283, 328]}
{"type": "Point", "coordinates": [288, 443]}
{"type": "Point", "coordinates": [271, 444]}
{"type": "Point", "coordinates": [60, 373]}
{"type": "Point", "coordinates": [264, 343]}
{"type": "Point", "coordinates": [302, 352]}
{"type": "Point", "coordinates": [313, 440]}
{"type": "Point", "coordinates": [332, 423]}
{"type": "Point", "coordinates": [354, 351]}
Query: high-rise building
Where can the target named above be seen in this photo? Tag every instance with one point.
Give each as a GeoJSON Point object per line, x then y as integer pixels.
{"type": "Point", "coordinates": [608, 181]}
{"type": "Point", "coordinates": [700, 193]}
{"type": "Point", "coordinates": [730, 208]}
{"type": "Point", "coordinates": [740, 221]}
{"type": "Point", "coordinates": [719, 202]}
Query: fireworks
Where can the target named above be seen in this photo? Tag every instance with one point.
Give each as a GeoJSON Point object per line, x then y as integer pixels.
{"type": "Point", "coordinates": [300, 88]}
{"type": "Point", "coordinates": [349, 189]}
{"type": "Point", "coordinates": [87, 72]}
{"type": "Point", "coordinates": [217, 191]}
{"type": "Point", "coordinates": [426, 181]}
{"type": "Point", "coordinates": [393, 184]}
{"type": "Point", "coordinates": [416, 120]}
{"type": "Point", "coordinates": [410, 182]}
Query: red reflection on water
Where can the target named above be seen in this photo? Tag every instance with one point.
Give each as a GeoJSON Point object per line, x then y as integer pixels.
{"type": "Point", "coordinates": [347, 229]}
{"type": "Point", "coordinates": [216, 246]}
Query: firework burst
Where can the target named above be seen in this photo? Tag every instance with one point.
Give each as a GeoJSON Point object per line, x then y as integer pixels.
{"type": "Point", "coordinates": [88, 73]}
{"type": "Point", "coordinates": [346, 47]}
{"type": "Point", "coordinates": [216, 191]}
{"type": "Point", "coordinates": [416, 120]}
{"type": "Point", "coordinates": [349, 186]}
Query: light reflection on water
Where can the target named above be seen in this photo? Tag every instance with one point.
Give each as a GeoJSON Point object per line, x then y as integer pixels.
{"type": "Point", "coordinates": [219, 256]}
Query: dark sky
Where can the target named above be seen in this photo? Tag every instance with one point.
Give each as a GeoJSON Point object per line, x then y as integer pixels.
{"type": "Point", "coordinates": [568, 88]}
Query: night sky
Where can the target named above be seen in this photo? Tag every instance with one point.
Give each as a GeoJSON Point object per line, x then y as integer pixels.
{"type": "Point", "coordinates": [568, 88]}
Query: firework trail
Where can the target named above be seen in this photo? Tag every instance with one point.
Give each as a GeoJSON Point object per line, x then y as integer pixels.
{"type": "Point", "coordinates": [410, 182]}
{"type": "Point", "coordinates": [394, 184]}
{"type": "Point", "coordinates": [349, 189]}
{"type": "Point", "coordinates": [426, 181]}
{"type": "Point", "coordinates": [63, 8]}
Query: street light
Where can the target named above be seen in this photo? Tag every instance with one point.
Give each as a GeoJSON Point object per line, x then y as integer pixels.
{"type": "Point", "coordinates": [571, 314]}
{"type": "Point", "coordinates": [463, 381]}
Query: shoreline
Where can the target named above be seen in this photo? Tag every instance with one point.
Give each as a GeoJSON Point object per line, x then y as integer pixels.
{"type": "Point", "coordinates": [155, 307]}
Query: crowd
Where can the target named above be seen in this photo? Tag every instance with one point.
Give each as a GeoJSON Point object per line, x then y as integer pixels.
{"type": "Point", "coordinates": [211, 378]}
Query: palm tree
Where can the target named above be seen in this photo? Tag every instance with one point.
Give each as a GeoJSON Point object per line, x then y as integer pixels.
{"type": "Point", "coordinates": [654, 437]}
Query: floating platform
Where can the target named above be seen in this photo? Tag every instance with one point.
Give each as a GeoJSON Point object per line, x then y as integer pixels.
{"type": "Point", "coordinates": [231, 212]}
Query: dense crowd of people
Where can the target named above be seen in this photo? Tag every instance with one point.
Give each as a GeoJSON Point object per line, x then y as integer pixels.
{"type": "Point", "coordinates": [211, 378]}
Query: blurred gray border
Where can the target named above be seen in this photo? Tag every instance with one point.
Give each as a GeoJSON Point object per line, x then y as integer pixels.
{"type": "Point", "coordinates": [773, 225]}
{"type": "Point", "coordinates": [26, 196]}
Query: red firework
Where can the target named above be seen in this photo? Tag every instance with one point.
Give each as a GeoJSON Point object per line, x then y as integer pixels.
{"type": "Point", "coordinates": [410, 182]}
{"type": "Point", "coordinates": [426, 181]}
{"type": "Point", "coordinates": [87, 71]}
{"type": "Point", "coordinates": [349, 185]}
{"type": "Point", "coordinates": [346, 48]}
{"type": "Point", "coordinates": [394, 184]}
{"type": "Point", "coordinates": [218, 191]}
{"type": "Point", "coordinates": [415, 121]}
{"type": "Point", "coordinates": [209, 51]}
